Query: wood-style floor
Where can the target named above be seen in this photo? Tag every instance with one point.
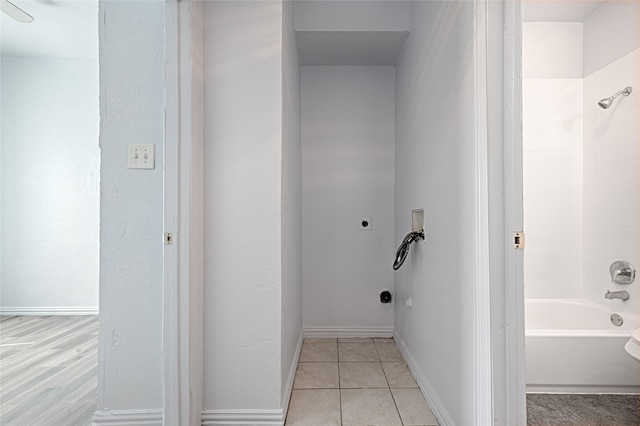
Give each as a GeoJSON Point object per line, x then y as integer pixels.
{"type": "Point", "coordinates": [48, 370]}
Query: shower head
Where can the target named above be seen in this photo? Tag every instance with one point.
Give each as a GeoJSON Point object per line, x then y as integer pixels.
{"type": "Point", "coordinates": [606, 102]}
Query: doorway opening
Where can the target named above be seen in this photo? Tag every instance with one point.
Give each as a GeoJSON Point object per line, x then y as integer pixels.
{"type": "Point", "coordinates": [49, 214]}
{"type": "Point", "coordinates": [579, 158]}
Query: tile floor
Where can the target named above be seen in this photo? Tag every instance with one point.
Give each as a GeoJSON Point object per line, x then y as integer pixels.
{"type": "Point", "coordinates": [582, 409]}
{"type": "Point", "coordinates": [358, 381]}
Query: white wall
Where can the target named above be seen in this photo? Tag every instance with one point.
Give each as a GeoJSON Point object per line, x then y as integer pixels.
{"type": "Point", "coordinates": [50, 176]}
{"type": "Point", "coordinates": [243, 149]}
{"type": "Point", "coordinates": [610, 33]}
{"type": "Point", "coordinates": [552, 151]}
{"type": "Point", "coordinates": [291, 203]}
{"type": "Point", "coordinates": [435, 133]}
{"type": "Point", "coordinates": [611, 151]}
{"type": "Point", "coordinates": [348, 172]}
{"type": "Point", "coordinates": [131, 109]}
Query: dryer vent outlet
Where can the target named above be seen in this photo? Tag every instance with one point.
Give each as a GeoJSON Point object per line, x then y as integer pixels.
{"type": "Point", "coordinates": [385, 297]}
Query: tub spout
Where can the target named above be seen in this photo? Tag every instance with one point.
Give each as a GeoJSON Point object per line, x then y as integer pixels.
{"type": "Point", "coordinates": [623, 295]}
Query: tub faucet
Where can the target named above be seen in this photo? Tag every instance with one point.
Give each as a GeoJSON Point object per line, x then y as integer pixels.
{"type": "Point", "coordinates": [624, 295]}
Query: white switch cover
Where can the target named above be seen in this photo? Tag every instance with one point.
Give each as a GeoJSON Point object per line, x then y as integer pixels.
{"type": "Point", "coordinates": [141, 156]}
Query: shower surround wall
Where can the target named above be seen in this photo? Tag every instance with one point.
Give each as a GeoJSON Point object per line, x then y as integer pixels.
{"type": "Point", "coordinates": [611, 151]}
{"type": "Point", "coordinates": [582, 181]}
{"type": "Point", "coordinates": [552, 146]}
{"type": "Point", "coordinates": [348, 124]}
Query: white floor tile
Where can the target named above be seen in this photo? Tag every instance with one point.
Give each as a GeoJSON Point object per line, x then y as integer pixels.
{"type": "Point", "coordinates": [412, 407]}
{"type": "Point", "coordinates": [362, 375]}
{"type": "Point", "coordinates": [316, 375]}
{"type": "Point", "coordinates": [388, 352]}
{"type": "Point", "coordinates": [398, 375]}
{"type": "Point", "coordinates": [368, 407]}
{"type": "Point", "coordinates": [319, 352]}
{"type": "Point", "coordinates": [357, 352]}
{"type": "Point", "coordinates": [314, 408]}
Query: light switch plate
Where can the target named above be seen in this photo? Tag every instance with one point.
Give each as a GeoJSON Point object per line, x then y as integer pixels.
{"type": "Point", "coordinates": [141, 156]}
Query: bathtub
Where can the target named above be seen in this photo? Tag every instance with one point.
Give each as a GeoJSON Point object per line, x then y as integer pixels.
{"type": "Point", "coordinates": [571, 346]}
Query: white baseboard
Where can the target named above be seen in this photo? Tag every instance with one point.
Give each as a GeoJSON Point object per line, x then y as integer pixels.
{"type": "Point", "coordinates": [258, 417]}
{"type": "Point", "coordinates": [441, 414]}
{"type": "Point", "coordinates": [243, 417]}
{"type": "Point", "coordinates": [49, 310]}
{"type": "Point", "coordinates": [348, 332]}
{"type": "Point", "coordinates": [288, 386]}
{"type": "Point", "coordinates": [128, 418]}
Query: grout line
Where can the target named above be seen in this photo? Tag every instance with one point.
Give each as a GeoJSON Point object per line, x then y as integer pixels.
{"type": "Point", "coordinates": [388, 384]}
{"type": "Point", "coordinates": [340, 404]}
{"type": "Point", "coordinates": [396, 405]}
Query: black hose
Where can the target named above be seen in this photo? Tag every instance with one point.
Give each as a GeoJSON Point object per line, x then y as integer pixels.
{"type": "Point", "coordinates": [403, 250]}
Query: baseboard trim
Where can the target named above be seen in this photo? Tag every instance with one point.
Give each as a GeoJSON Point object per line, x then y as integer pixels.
{"type": "Point", "coordinates": [239, 417]}
{"type": "Point", "coordinates": [286, 394]}
{"type": "Point", "coordinates": [128, 418]}
{"type": "Point", "coordinates": [438, 409]}
{"type": "Point", "coordinates": [49, 310]}
{"type": "Point", "coordinates": [348, 332]}
{"type": "Point", "coordinates": [258, 417]}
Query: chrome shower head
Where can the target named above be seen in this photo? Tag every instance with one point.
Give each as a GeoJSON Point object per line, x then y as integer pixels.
{"type": "Point", "coordinates": [607, 102]}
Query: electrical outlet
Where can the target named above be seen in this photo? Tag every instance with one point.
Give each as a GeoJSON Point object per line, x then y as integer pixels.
{"type": "Point", "coordinates": [364, 223]}
{"type": "Point", "coordinates": [141, 156]}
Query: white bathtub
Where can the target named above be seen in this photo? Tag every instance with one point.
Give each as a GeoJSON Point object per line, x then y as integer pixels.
{"type": "Point", "coordinates": [572, 346]}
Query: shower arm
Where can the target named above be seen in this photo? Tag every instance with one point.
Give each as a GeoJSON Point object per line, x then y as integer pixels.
{"type": "Point", "coordinates": [626, 92]}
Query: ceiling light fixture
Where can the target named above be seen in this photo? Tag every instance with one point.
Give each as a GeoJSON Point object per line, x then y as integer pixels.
{"type": "Point", "coordinates": [15, 12]}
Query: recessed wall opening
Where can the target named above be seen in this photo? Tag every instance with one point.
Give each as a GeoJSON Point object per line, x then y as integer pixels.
{"type": "Point", "coordinates": [320, 117]}
{"type": "Point", "coordinates": [348, 150]}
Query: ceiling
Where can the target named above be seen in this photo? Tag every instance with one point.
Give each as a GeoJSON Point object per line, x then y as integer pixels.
{"type": "Point", "coordinates": [60, 29]}
{"type": "Point", "coordinates": [69, 28]}
{"type": "Point", "coordinates": [350, 47]}
{"type": "Point", "coordinates": [559, 10]}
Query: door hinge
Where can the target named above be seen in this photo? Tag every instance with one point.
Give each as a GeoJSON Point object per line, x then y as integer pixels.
{"type": "Point", "coordinates": [518, 240]}
{"type": "Point", "coordinates": [168, 238]}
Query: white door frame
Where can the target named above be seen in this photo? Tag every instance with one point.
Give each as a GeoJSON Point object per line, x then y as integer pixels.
{"type": "Point", "coordinates": [499, 296]}
{"type": "Point", "coordinates": [504, 122]}
{"type": "Point", "coordinates": [484, 368]}
{"type": "Point", "coordinates": [183, 215]}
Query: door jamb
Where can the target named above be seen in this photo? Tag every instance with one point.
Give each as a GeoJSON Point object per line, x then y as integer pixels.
{"type": "Point", "coordinates": [183, 214]}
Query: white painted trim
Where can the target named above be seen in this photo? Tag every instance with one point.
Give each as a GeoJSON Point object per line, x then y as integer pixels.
{"type": "Point", "coordinates": [183, 214]}
{"type": "Point", "coordinates": [348, 332]}
{"type": "Point", "coordinates": [483, 389]}
{"type": "Point", "coordinates": [191, 285]}
{"type": "Point", "coordinates": [171, 301]}
{"type": "Point", "coordinates": [247, 417]}
{"type": "Point", "coordinates": [288, 387]}
{"type": "Point", "coordinates": [430, 395]}
{"type": "Point", "coordinates": [128, 418]}
{"type": "Point", "coordinates": [512, 309]}
{"type": "Point", "coordinates": [49, 310]}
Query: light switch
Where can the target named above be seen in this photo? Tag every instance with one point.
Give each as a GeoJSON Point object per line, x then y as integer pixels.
{"type": "Point", "coordinates": [141, 156]}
